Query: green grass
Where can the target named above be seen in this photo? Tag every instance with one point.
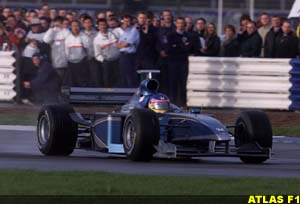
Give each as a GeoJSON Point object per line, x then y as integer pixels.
{"type": "Point", "coordinates": [287, 131]}
{"type": "Point", "coordinates": [20, 182]}
{"type": "Point", "coordinates": [18, 119]}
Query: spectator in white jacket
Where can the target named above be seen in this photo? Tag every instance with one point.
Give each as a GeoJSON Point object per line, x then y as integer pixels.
{"type": "Point", "coordinates": [107, 53]}
{"type": "Point", "coordinates": [56, 37]}
{"type": "Point", "coordinates": [90, 33]}
{"type": "Point", "coordinates": [76, 45]}
{"type": "Point", "coordinates": [34, 41]}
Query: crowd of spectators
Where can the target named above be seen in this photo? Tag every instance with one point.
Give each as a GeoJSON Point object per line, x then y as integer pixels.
{"type": "Point", "coordinates": [64, 48]}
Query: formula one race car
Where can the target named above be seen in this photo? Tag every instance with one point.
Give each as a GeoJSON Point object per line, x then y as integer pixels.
{"type": "Point", "coordinates": [147, 125]}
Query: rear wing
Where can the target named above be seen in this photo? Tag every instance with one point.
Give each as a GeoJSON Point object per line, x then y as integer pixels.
{"type": "Point", "coordinates": [94, 96]}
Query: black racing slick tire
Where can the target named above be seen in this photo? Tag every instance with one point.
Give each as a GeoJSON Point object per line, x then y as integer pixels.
{"type": "Point", "coordinates": [56, 131]}
{"type": "Point", "coordinates": [253, 127]}
{"type": "Point", "coordinates": [141, 132]}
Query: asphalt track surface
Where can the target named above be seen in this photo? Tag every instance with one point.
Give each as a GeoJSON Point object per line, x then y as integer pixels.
{"type": "Point", "coordinates": [18, 150]}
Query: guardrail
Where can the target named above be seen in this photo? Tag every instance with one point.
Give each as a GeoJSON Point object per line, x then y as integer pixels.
{"type": "Point", "coordinates": [212, 82]}
{"type": "Point", "coordinates": [244, 83]}
{"type": "Point", "coordinates": [8, 76]}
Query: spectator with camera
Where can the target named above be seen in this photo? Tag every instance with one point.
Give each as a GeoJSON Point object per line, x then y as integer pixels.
{"type": "Point", "coordinates": [146, 52]}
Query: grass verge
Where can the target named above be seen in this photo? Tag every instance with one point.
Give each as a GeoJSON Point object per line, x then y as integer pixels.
{"type": "Point", "coordinates": [27, 182]}
{"type": "Point", "coordinates": [18, 119]}
{"type": "Point", "coordinates": [287, 131]}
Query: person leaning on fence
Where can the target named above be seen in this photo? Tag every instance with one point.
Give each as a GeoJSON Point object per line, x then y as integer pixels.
{"type": "Point", "coordinates": [265, 27]}
{"type": "Point", "coordinates": [271, 37]}
{"type": "Point", "coordinates": [45, 85]}
{"type": "Point", "coordinates": [287, 44]}
{"type": "Point", "coordinates": [242, 32]}
{"type": "Point", "coordinates": [108, 54]}
{"type": "Point", "coordinates": [230, 45]}
{"type": "Point", "coordinates": [198, 36]}
{"type": "Point", "coordinates": [251, 43]}
{"type": "Point", "coordinates": [56, 37]}
{"type": "Point", "coordinates": [212, 42]}
{"type": "Point", "coordinates": [76, 52]}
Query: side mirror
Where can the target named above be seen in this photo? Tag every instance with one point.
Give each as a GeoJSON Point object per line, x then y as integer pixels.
{"type": "Point", "coordinates": [195, 111]}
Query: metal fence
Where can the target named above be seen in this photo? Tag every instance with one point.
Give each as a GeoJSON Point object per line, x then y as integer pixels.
{"type": "Point", "coordinates": [212, 82]}
{"type": "Point", "coordinates": [8, 76]}
{"type": "Point", "coordinates": [244, 83]}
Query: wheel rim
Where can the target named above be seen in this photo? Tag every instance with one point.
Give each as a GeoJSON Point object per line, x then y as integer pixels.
{"type": "Point", "coordinates": [44, 129]}
{"type": "Point", "coordinates": [130, 135]}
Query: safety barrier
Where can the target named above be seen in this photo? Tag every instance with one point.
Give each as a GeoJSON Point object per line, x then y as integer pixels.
{"type": "Point", "coordinates": [244, 83]}
{"type": "Point", "coordinates": [8, 76]}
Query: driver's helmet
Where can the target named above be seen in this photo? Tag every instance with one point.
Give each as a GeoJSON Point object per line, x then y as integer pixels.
{"type": "Point", "coordinates": [159, 103]}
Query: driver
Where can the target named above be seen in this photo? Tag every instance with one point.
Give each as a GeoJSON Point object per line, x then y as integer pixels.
{"type": "Point", "coordinates": [159, 103]}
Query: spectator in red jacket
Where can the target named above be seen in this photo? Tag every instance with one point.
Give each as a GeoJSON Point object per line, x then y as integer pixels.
{"type": "Point", "coordinates": [8, 41]}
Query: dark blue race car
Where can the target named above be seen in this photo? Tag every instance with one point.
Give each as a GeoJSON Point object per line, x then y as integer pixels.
{"type": "Point", "coordinates": [147, 125]}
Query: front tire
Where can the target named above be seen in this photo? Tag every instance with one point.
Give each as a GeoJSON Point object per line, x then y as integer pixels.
{"type": "Point", "coordinates": [253, 127]}
{"type": "Point", "coordinates": [140, 133]}
{"type": "Point", "coordinates": [56, 131]}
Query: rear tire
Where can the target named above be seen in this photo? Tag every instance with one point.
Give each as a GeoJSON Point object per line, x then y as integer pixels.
{"type": "Point", "coordinates": [253, 127]}
{"type": "Point", "coordinates": [140, 133]}
{"type": "Point", "coordinates": [56, 131]}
